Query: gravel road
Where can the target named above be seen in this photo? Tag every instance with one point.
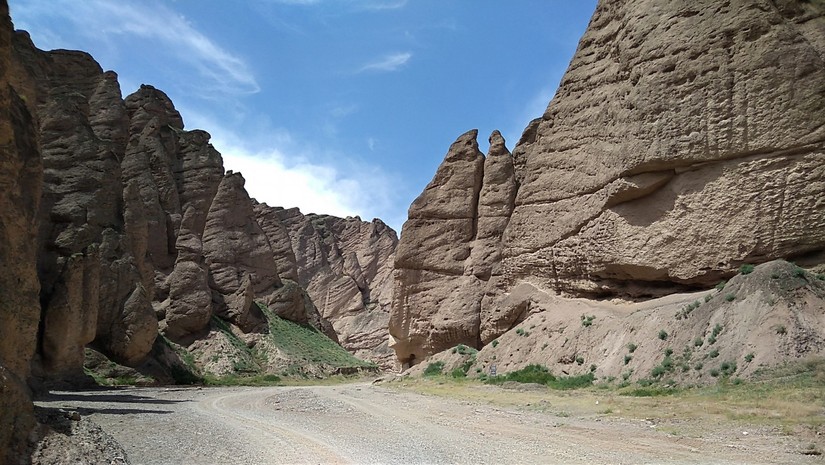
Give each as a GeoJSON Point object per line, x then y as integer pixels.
{"type": "Point", "coordinates": [362, 423]}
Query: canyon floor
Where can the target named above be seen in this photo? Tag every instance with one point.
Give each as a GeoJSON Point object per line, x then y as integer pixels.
{"type": "Point", "coordinates": [419, 422]}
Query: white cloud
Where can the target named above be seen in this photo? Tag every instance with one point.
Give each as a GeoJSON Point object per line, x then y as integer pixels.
{"type": "Point", "coordinates": [390, 62]}
{"type": "Point", "coordinates": [102, 20]}
{"type": "Point", "coordinates": [283, 172]}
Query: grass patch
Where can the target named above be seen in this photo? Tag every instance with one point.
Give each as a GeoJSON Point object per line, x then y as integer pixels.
{"type": "Point", "coordinates": [434, 369]}
{"type": "Point", "coordinates": [306, 345]}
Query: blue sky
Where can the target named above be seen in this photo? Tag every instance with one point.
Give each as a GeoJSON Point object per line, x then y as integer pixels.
{"type": "Point", "coordinates": [343, 107]}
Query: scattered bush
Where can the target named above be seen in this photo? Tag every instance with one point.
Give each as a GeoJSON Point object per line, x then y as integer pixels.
{"type": "Point", "coordinates": [668, 352]}
{"type": "Point", "coordinates": [593, 368]}
{"type": "Point", "coordinates": [713, 353]}
{"type": "Point", "coordinates": [749, 357]}
{"type": "Point", "coordinates": [747, 268]}
{"type": "Point", "coordinates": [632, 347]}
{"type": "Point", "coordinates": [434, 369]}
{"type": "Point", "coordinates": [627, 359]}
{"type": "Point", "coordinates": [730, 297]}
{"type": "Point", "coordinates": [522, 332]}
{"type": "Point", "coordinates": [698, 366]}
{"type": "Point", "coordinates": [781, 330]}
{"type": "Point", "coordinates": [587, 320]}
{"type": "Point", "coordinates": [458, 373]}
{"type": "Point", "coordinates": [714, 372]}
{"type": "Point", "coordinates": [461, 349]}
{"type": "Point", "coordinates": [708, 298]}
{"type": "Point", "coordinates": [663, 335]}
{"type": "Point", "coordinates": [721, 285]}
{"type": "Point", "coordinates": [698, 342]}
{"type": "Point", "coordinates": [494, 343]}
{"type": "Point", "coordinates": [580, 360]}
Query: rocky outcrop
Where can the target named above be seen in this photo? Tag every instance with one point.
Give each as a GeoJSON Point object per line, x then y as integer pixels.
{"type": "Point", "coordinates": [345, 265]}
{"type": "Point", "coordinates": [684, 141]}
{"type": "Point", "coordinates": [237, 251]}
{"type": "Point", "coordinates": [21, 174]}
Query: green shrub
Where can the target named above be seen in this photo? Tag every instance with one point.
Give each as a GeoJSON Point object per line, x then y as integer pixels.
{"type": "Point", "coordinates": [708, 298]}
{"type": "Point", "coordinates": [721, 285]}
{"type": "Point", "coordinates": [494, 343]}
{"type": "Point", "coordinates": [587, 320]}
{"type": "Point", "coordinates": [747, 268]}
{"type": "Point", "coordinates": [434, 369]}
{"type": "Point", "coordinates": [714, 372]}
{"type": "Point", "coordinates": [458, 373]}
{"type": "Point", "coordinates": [781, 330]}
{"type": "Point", "coordinates": [749, 357]}
{"type": "Point", "coordinates": [713, 353]}
{"type": "Point", "coordinates": [698, 342]}
{"type": "Point", "coordinates": [730, 297]}
{"type": "Point", "coordinates": [627, 359]}
{"type": "Point", "coordinates": [668, 352]}
{"type": "Point", "coordinates": [631, 347]}
{"type": "Point", "coordinates": [580, 360]}
{"type": "Point", "coordinates": [663, 334]}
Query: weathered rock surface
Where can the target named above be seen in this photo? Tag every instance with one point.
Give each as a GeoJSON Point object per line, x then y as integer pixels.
{"type": "Point", "coordinates": [684, 141]}
{"type": "Point", "coordinates": [345, 265]}
{"type": "Point", "coordinates": [21, 174]}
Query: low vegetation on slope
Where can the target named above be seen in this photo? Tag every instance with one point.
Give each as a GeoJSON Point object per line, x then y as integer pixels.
{"type": "Point", "coordinates": [227, 356]}
{"type": "Point", "coordinates": [787, 399]}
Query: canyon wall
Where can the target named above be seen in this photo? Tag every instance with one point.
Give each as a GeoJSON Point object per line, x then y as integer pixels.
{"type": "Point", "coordinates": [684, 141]}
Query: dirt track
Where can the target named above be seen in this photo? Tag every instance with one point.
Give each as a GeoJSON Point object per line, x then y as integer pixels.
{"type": "Point", "coordinates": [370, 424]}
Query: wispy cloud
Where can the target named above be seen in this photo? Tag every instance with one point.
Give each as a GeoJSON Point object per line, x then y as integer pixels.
{"type": "Point", "coordinates": [219, 69]}
{"type": "Point", "coordinates": [391, 62]}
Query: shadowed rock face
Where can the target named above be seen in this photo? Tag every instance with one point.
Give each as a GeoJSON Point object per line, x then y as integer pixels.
{"type": "Point", "coordinates": [21, 174]}
{"type": "Point", "coordinates": [684, 140]}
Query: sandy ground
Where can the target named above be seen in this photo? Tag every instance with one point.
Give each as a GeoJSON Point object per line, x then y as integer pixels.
{"type": "Point", "coordinates": [362, 423]}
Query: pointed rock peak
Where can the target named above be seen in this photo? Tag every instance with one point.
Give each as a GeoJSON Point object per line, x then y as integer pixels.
{"type": "Point", "coordinates": [497, 145]}
{"type": "Point", "coordinates": [465, 147]}
{"type": "Point", "coordinates": [154, 102]}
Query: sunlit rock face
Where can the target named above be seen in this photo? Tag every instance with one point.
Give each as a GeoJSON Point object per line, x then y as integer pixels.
{"type": "Point", "coordinates": [683, 141]}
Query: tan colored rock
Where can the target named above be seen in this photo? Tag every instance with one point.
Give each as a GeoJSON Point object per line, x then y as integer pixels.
{"type": "Point", "coordinates": [724, 106]}
{"type": "Point", "coordinates": [189, 306]}
{"type": "Point", "coordinates": [436, 296]}
{"type": "Point", "coordinates": [684, 141]}
{"type": "Point", "coordinates": [345, 265]}
{"type": "Point", "coordinates": [238, 255]}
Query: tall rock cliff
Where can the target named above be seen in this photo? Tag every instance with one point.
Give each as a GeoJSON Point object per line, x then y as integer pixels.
{"type": "Point", "coordinates": [119, 225]}
{"type": "Point", "coordinates": [683, 141]}
{"type": "Point", "coordinates": [21, 174]}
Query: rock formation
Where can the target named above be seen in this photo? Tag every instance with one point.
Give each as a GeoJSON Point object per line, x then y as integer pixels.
{"type": "Point", "coordinates": [345, 265]}
{"type": "Point", "coordinates": [683, 141]}
{"type": "Point", "coordinates": [21, 174]}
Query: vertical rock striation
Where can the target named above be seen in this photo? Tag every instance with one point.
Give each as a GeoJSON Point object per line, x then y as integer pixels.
{"type": "Point", "coordinates": [683, 141]}
{"type": "Point", "coordinates": [345, 265]}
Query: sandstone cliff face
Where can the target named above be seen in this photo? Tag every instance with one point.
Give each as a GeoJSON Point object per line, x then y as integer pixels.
{"type": "Point", "coordinates": [684, 141]}
{"type": "Point", "coordinates": [21, 174]}
{"type": "Point", "coordinates": [345, 265]}
{"type": "Point", "coordinates": [138, 228]}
